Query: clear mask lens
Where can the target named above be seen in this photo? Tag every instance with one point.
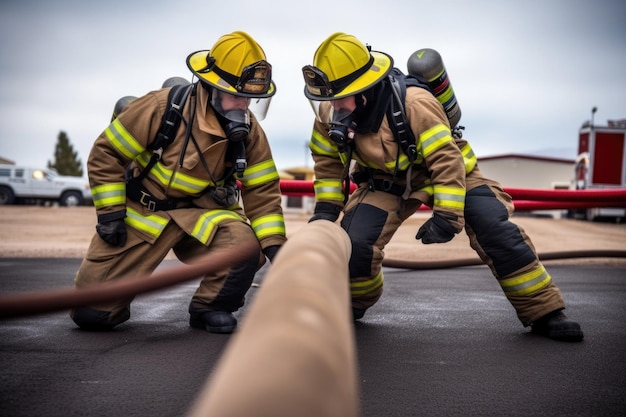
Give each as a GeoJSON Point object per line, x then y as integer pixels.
{"type": "Point", "coordinates": [326, 112]}
{"type": "Point", "coordinates": [237, 108]}
{"type": "Point", "coordinates": [259, 107]}
{"type": "Point", "coordinates": [339, 115]}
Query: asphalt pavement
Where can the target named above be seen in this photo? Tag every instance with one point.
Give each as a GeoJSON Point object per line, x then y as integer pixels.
{"type": "Point", "coordinates": [439, 343]}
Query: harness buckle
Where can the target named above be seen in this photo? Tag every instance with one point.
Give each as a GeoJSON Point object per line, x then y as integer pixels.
{"type": "Point", "coordinates": [387, 184]}
{"type": "Point", "coordinates": [158, 153]}
{"type": "Point", "coordinates": [147, 201]}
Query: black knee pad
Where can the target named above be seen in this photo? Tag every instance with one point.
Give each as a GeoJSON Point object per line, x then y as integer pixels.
{"type": "Point", "coordinates": [364, 223]}
{"type": "Point", "coordinates": [497, 236]}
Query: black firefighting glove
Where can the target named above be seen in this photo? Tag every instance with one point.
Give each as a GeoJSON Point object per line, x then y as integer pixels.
{"type": "Point", "coordinates": [271, 252]}
{"type": "Point", "coordinates": [437, 229]}
{"type": "Point", "coordinates": [325, 211]}
{"type": "Point", "coordinates": [111, 228]}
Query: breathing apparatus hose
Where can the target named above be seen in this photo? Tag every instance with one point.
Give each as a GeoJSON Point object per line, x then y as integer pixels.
{"type": "Point", "coordinates": [33, 303]}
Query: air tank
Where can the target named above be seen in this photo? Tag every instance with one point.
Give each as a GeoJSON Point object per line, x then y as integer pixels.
{"type": "Point", "coordinates": [428, 64]}
{"type": "Point", "coordinates": [172, 81]}
{"type": "Point", "coordinates": [120, 105]}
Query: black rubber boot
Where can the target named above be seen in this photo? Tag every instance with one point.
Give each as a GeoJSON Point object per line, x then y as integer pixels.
{"type": "Point", "coordinates": [557, 326]}
{"type": "Point", "coordinates": [214, 321]}
{"type": "Point", "coordinates": [358, 313]}
{"type": "Point", "coordinates": [96, 320]}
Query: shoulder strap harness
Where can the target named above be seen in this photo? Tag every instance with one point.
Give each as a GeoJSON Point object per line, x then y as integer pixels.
{"type": "Point", "coordinates": [396, 115]}
{"type": "Point", "coordinates": [167, 133]}
{"type": "Point", "coordinates": [169, 125]}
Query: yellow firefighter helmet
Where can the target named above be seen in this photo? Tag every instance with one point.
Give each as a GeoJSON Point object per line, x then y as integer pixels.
{"type": "Point", "coordinates": [236, 64]}
{"type": "Point", "coordinates": [344, 66]}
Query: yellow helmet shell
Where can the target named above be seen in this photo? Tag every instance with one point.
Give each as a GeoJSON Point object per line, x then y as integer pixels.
{"type": "Point", "coordinates": [232, 53]}
{"type": "Point", "coordinates": [341, 55]}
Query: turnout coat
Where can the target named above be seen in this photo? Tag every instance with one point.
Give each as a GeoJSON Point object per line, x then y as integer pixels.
{"type": "Point", "coordinates": [181, 174]}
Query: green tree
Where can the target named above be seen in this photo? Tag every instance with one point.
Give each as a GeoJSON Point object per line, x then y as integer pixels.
{"type": "Point", "coordinates": [66, 161]}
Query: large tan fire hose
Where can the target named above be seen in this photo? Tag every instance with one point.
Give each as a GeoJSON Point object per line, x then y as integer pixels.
{"type": "Point", "coordinates": [294, 353]}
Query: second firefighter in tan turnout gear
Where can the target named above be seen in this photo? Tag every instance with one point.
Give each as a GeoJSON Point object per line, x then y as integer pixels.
{"type": "Point", "coordinates": [350, 90]}
{"type": "Point", "coordinates": [188, 201]}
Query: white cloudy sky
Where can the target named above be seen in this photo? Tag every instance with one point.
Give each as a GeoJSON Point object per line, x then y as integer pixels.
{"type": "Point", "coordinates": [526, 72]}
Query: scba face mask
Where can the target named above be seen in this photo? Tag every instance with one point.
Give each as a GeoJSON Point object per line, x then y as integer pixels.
{"type": "Point", "coordinates": [342, 127]}
{"type": "Point", "coordinates": [237, 125]}
{"type": "Point", "coordinates": [234, 111]}
{"type": "Point", "coordinates": [341, 115]}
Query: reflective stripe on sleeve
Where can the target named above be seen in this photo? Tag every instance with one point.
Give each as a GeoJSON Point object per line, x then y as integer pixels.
{"type": "Point", "coordinates": [434, 138]}
{"type": "Point", "coordinates": [260, 173]}
{"type": "Point", "coordinates": [449, 197]}
{"type": "Point", "coordinates": [113, 194]}
{"type": "Point", "coordinates": [328, 190]}
{"type": "Point", "coordinates": [271, 224]}
{"type": "Point", "coordinates": [122, 140]}
{"type": "Point", "coordinates": [321, 145]}
{"type": "Point", "coordinates": [469, 158]}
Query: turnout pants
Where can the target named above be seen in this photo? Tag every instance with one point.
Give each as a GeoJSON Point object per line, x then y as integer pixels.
{"type": "Point", "coordinates": [372, 217]}
{"type": "Point", "coordinates": [224, 290]}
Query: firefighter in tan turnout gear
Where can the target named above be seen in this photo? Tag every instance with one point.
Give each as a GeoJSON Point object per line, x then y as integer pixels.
{"type": "Point", "coordinates": [188, 199]}
{"type": "Point", "coordinates": [350, 89]}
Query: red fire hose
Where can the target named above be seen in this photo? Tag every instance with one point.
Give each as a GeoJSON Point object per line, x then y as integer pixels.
{"type": "Point", "coordinates": [43, 302]}
{"type": "Point", "coordinates": [523, 199]}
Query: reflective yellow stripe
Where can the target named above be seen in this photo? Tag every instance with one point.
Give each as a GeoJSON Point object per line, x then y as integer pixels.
{"type": "Point", "coordinates": [260, 173]}
{"type": "Point", "coordinates": [122, 140]}
{"type": "Point", "coordinates": [207, 223]}
{"type": "Point", "coordinates": [151, 224]}
{"type": "Point", "coordinates": [272, 224]}
{"type": "Point", "coordinates": [527, 283]}
{"type": "Point", "coordinates": [328, 190]}
{"type": "Point", "coordinates": [428, 190]}
{"type": "Point", "coordinates": [359, 160]}
{"type": "Point", "coordinates": [321, 145]}
{"type": "Point", "coordinates": [390, 166]}
{"type": "Point", "coordinates": [469, 158]}
{"type": "Point", "coordinates": [186, 183]}
{"type": "Point", "coordinates": [403, 163]}
{"type": "Point", "coordinates": [449, 197]}
{"type": "Point", "coordinates": [113, 194]}
{"type": "Point", "coordinates": [366, 287]}
{"type": "Point", "coordinates": [434, 138]}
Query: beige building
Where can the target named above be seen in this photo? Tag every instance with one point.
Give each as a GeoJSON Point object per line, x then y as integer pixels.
{"type": "Point", "coordinates": [528, 171]}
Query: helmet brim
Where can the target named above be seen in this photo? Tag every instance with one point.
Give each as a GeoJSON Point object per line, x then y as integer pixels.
{"type": "Point", "coordinates": [197, 64]}
{"type": "Point", "coordinates": [382, 65]}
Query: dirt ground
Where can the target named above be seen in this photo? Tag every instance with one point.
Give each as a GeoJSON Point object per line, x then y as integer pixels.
{"type": "Point", "coordinates": [56, 232]}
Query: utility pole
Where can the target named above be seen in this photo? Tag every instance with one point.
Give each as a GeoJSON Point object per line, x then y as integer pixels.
{"type": "Point", "coordinates": [593, 111]}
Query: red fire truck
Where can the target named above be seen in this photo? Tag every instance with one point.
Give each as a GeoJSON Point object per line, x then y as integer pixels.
{"type": "Point", "coordinates": [601, 164]}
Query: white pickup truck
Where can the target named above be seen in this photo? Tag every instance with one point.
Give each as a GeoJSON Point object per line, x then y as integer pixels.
{"type": "Point", "coordinates": [19, 184]}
